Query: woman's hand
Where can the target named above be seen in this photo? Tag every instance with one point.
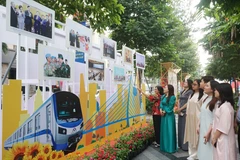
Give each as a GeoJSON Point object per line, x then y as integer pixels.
{"type": "Point", "coordinates": [214, 140]}
{"type": "Point", "coordinates": [163, 113]}
{"type": "Point", "coordinates": [198, 130]}
{"type": "Point", "coordinates": [206, 138]}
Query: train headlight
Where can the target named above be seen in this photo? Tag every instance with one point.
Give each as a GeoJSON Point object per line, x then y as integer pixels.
{"type": "Point", "coordinates": [62, 130]}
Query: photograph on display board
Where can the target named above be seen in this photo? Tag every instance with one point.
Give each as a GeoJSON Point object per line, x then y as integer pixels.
{"type": "Point", "coordinates": [31, 19]}
{"type": "Point", "coordinates": [140, 61]}
{"type": "Point", "coordinates": [127, 55]}
{"type": "Point", "coordinates": [96, 70]}
{"type": "Point", "coordinates": [119, 74]}
{"type": "Point", "coordinates": [108, 47]}
{"type": "Point", "coordinates": [55, 63]}
{"type": "Point", "coordinates": [78, 36]}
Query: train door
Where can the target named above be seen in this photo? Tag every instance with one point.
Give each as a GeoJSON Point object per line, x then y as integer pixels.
{"type": "Point", "coordinates": [37, 128]}
{"type": "Point", "coordinates": [49, 124]}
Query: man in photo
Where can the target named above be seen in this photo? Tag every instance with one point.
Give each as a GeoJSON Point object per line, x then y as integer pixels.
{"type": "Point", "coordinates": [49, 27]}
{"type": "Point", "coordinates": [72, 38]}
{"type": "Point", "coordinates": [77, 41]}
{"type": "Point", "coordinates": [68, 69]}
{"type": "Point", "coordinates": [48, 68]}
{"type": "Point", "coordinates": [37, 23]}
{"type": "Point", "coordinates": [28, 19]}
{"type": "Point", "coordinates": [14, 14]}
{"type": "Point", "coordinates": [44, 25]}
{"type": "Point", "coordinates": [61, 70]}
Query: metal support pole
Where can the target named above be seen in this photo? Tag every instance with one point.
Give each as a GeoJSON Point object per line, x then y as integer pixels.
{"type": "Point", "coordinates": [9, 67]}
{"type": "Point", "coordinates": [18, 56]}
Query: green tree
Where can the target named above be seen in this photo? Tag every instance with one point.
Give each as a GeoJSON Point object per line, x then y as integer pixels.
{"type": "Point", "coordinates": [152, 28]}
{"type": "Point", "coordinates": [223, 43]}
{"type": "Point", "coordinates": [101, 14]}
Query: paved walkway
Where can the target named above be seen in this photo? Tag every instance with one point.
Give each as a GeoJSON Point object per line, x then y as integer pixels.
{"type": "Point", "coordinates": [152, 153]}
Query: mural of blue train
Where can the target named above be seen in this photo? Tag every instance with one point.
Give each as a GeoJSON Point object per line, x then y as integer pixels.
{"type": "Point", "coordinates": [58, 122]}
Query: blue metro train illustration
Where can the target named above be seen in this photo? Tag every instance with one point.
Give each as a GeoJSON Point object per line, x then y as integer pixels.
{"type": "Point", "coordinates": [58, 122]}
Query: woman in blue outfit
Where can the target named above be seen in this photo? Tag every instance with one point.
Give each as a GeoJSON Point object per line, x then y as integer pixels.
{"type": "Point", "coordinates": [168, 139]}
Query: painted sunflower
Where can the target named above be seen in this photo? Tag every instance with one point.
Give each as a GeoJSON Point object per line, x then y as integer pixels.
{"type": "Point", "coordinates": [47, 149]}
{"type": "Point", "coordinates": [27, 157]}
{"type": "Point", "coordinates": [40, 156]}
{"type": "Point", "coordinates": [60, 154]}
{"type": "Point", "coordinates": [17, 151]}
{"type": "Point", "coordinates": [34, 149]}
{"type": "Point", "coordinates": [53, 155]}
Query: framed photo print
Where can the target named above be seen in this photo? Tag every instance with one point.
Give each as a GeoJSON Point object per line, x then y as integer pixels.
{"type": "Point", "coordinates": [55, 63]}
{"type": "Point", "coordinates": [78, 36]}
{"type": "Point", "coordinates": [108, 48]}
{"type": "Point", "coordinates": [96, 70]}
{"type": "Point", "coordinates": [140, 61]}
{"type": "Point", "coordinates": [31, 19]}
{"type": "Point", "coordinates": [127, 54]}
{"type": "Point", "coordinates": [119, 74]}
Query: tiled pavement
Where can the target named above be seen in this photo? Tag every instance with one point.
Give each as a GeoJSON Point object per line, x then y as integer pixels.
{"type": "Point", "coordinates": [152, 153]}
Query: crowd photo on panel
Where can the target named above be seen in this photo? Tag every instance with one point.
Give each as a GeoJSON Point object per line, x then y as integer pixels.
{"type": "Point", "coordinates": [206, 119]}
{"type": "Point", "coordinates": [56, 67]}
{"type": "Point", "coordinates": [30, 19]}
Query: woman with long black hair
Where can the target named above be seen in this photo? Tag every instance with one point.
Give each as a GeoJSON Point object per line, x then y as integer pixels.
{"type": "Point", "coordinates": [205, 149]}
{"type": "Point", "coordinates": [223, 138]}
{"type": "Point", "coordinates": [168, 139]}
{"type": "Point", "coordinates": [193, 111]}
{"type": "Point", "coordinates": [155, 98]}
{"type": "Point", "coordinates": [183, 99]}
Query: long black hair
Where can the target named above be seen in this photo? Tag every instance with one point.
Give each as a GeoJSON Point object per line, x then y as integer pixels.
{"type": "Point", "coordinates": [189, 82]}
{"type": "Point", "coordinates": [225, 93]}
{"type": "Point", "coordinates": [160, 90]}
{"type": "Point", "coordinates": [200, 89]}
{"type": "Point", "coordinates": [170, 92]}
{"type": "Point", "coordinates": [213, 85]}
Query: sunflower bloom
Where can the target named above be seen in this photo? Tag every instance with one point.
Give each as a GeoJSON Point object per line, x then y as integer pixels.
{"type": "Point", "coordinates": [47, 149]}
{"type": "Point", "coordinates": [60, 154]}
{"type": "Point", "coordinates": [17, 151]}
{"type": "Point", "coordinates": [40, 156]}
{"type": "Point", "coordinates": [27, 157]}
{"type": "Point", "coordinates": [34, 149]}
{"type": "Point", "coordinates": [53, 155]}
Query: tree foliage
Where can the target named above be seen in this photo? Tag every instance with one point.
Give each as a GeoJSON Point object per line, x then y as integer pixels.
{"type": "Point", "coordinates": [152, 28]}
{"type": "Point", "coordinates": [223, 42]}
{"type": "Point", "coordinates": [101, 14]}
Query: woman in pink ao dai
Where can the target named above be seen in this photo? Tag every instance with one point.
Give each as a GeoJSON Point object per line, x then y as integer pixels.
{"type": "Point", "coordinates": [223, 138]}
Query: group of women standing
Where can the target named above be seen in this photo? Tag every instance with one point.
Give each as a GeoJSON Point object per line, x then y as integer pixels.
{"type": "Point", "coordinates": [205, 123]}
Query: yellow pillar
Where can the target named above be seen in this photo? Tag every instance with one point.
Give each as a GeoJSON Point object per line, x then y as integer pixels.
{"type": "Point", "coordinates": [83, 96]}
{"type": "Point", "coordinates": [144, 102]}
{"type": "Point", "coordinates": [11, 109]}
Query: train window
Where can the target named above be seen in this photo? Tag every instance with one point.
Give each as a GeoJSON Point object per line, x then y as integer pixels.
{"type": "Point", "coordinates": [68, 107]}
{"type": "Point", "coordinates": [48, 110]}
{"type": "Point", "coordinates": [20, 132]}
{"type": "Point", "coordinates": [37, 122]}
{"type": "Point", "coordinates": [29, 127]}
{"type": "Point", "coordinates": [24, 129]}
